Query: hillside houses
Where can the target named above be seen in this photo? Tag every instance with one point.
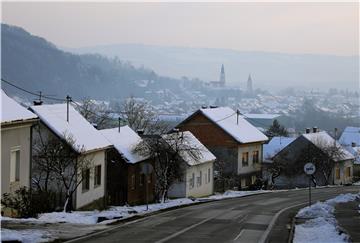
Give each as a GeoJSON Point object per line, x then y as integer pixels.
{"type": "Point", "coordinates": [236, 143]}
{"type": "Point", "coordinates": [106, 167]}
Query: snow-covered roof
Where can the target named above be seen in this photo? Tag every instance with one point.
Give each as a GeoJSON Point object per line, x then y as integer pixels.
{"type": "Point", "coordinates": [355, 151]}
{"type": "Point", "coordinates": [350, 135]}
{"type": "Point", "coordinates": [226, 118]}
{"type": "Point", "coordinates": [322, 138]}
{"type": "Point", "coordinates": [86, 137]}
{"type": "Point", "coordinates": [124, 142]}
{"type": "Point", "coordinates": [11, 111]}
{"type": "Point", "coordinates": [191, 145]}
{"type": "Point", "coordinates": [275, 145]}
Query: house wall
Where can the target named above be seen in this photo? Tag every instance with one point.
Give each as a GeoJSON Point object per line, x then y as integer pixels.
{"type": "Point", "coordinates": [251, 167]}
{"type": "Point", "coordinates": [343, 178]}
{"type": "Point", "coordinates": [137, 194]}
{"type": "Point", "coordinates": [207, 187]}
{"type": "Point", "coordinates": [12, 138]}
{"type": "Point", "coordinates": [84, 198]}
{"type": "Point", "coordinates": [221, 144]}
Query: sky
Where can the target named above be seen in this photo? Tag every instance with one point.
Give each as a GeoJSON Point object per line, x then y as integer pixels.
{"type": "Point", "coordinates": [315, 28]}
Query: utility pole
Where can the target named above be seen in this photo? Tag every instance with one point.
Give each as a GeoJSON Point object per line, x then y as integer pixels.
{"type": "Point", "coordinates": [68, 100]}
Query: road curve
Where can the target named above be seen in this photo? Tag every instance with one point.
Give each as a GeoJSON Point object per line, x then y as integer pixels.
{"type": "Point", "coordinates": [247, 219]}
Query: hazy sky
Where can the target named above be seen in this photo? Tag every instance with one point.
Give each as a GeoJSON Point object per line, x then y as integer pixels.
{"type": "Point", "coordinates": [327, 28]}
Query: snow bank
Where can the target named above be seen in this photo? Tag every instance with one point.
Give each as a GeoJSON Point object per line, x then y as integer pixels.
{"type": "Point", "coordinates": [321, 225]}
{"type": "Point", "coordinates": [233, 194]}
{"type": "Point", "coordinates": [92, 217]}
{"type": "Point", "coordinates": [318, 230]}
{"type": "Point", "coordinates": [25, 236]}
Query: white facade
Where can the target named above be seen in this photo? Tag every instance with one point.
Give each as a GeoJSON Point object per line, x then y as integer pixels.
{"type": "Point", "coordinates": [198, 181]}
{"type": "Point", "coordinates": [95, 192]}
{"type": "Point", "coordinates": [251, 166]}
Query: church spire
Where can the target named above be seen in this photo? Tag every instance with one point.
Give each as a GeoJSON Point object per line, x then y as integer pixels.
{"type": "Point", "coordinates": [249, 85]}
{"type": "Point", "coordinates": [222, 76]}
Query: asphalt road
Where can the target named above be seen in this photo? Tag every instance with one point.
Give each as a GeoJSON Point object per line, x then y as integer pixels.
{"type": "Point", "coordinates": [256, 218]}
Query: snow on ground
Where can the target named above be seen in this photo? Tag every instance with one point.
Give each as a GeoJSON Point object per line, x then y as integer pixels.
{"type": "Point", "coordinates": [356, 183]}
{"type": "Point", "coordinates": [122, 212]}
{"type": "Point", "coordinates": [233, 194]}
{"type": "Point", "coordinates": [25, 236]}
{"type": "Point", "coordinates": [320, 224]}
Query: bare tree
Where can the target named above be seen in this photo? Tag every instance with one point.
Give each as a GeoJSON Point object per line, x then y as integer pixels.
{"type": "Point", "coordinates": [58, 164]}
{"type": "Point", "coordinates": [140, 115]}
{"type": "Point", "coordinates": [169, 152]}
{"type": "Point", "coordinates": [95, 113]}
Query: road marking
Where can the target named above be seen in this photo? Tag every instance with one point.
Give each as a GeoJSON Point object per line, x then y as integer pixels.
{"type": "Point", "coordinates": [237, 237]}
{"type": "Point", "coordinates": [189, 227]}
{"type": "Point", "coordinates": [273, 221]}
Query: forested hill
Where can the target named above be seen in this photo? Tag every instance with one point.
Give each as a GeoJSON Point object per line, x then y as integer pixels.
{"type": "Point", "coordinates": [37, 65]}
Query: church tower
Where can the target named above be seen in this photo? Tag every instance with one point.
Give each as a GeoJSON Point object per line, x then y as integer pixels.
{"type": "Point", "coordinates": [222, 76]}
{"type": "Point", "coordinates": [249, 85]}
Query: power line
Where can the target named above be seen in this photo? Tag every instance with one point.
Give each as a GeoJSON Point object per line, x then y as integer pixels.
{"type": "Point", "coordinates": [30, 92]}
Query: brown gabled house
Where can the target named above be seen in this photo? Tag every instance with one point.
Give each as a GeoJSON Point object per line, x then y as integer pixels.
{"type": "Point", "coordinates": [234, 141]}
{"type": "Point", "coordinates": [126, 184]}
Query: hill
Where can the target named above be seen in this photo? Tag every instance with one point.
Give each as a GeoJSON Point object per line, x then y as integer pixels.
{"type": "Point", "coordinates": [37, 65]}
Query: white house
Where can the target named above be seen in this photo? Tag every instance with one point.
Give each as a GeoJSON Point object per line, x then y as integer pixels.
{"type": "Point", "coordinates": [16, 123]}
{"type": "Point", "coordinates": [198, 180]}
{"type": "Point", "coordinates": [87, 141]}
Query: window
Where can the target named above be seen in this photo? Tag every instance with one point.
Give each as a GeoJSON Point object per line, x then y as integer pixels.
{"type": "Point", "coordinates": [15, 165]}
{"type": "Point", "coordinates": [348, 172]}
{"type": "Point", "coordinates": [192, 181]}
{"type": "Point", "coordinates": [97, 179]}
{"type": "Point", "coordinates": [133, 182]}
{"type": "Point", "coordinates": [245, 159]}
{"type": "Point", "coordinates": [256, 156]}
{"type": "Point", "coordinates": [199, 179]}
{"type": "Point", "coordinates": [85, 180]}
{"type": "Point", "coordinates": [209, 175]}
{"type": "Point", "coordinates": [337, 173]}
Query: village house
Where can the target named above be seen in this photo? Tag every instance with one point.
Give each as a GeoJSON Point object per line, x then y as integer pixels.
{"type": "Point", "coordinates": [198, 167]}
{"type": "Point", "coordinates": [350, 139]}
{"type": "Point", "coordinates": [68, 126]}
{"type": "Point", "coordinates": [126, 182]}
{"type": "Point", "coordinates": [334, 164]}
{"type": "Point", "coordinates": [236, 143]}
{"type": "Point", "coordinates": [16, 123]}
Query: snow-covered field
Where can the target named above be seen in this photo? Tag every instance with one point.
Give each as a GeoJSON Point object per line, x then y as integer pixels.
{"type": "Point", "coordinates": [320, 224]}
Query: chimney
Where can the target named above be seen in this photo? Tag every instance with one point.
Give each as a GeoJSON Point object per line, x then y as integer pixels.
{"type": "Point", "coordinates": [307, 130]}
{"type": "Point", "coordinates": [140, 132]}
{"type": "Point", "coordinates": [353, 144]}
{"type": "Point", "coordinates": [37, 102]}
{"type": "Point", "coordinates": [213, 106]}
{"type": "Point", "coordinates": [203, 107]}
{"type": "Point", "coordinates": [315, 129]}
